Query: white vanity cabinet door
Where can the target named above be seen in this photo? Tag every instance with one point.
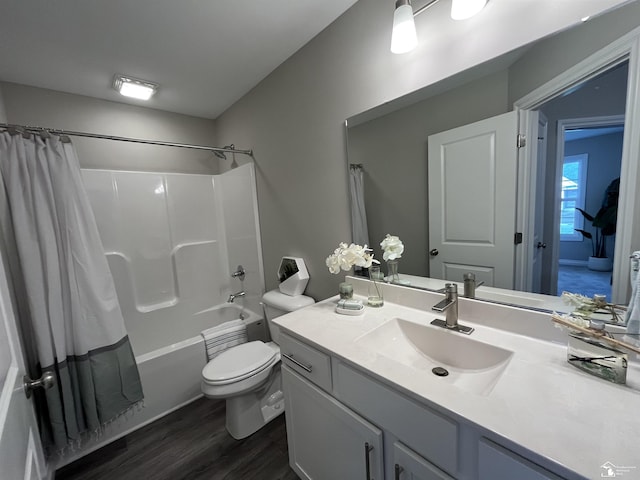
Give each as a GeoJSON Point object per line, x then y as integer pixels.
{"type": "Point", "coordinates": [427, 432]}
{"type": "Point", "coordinates": [408, 465]}
{"type": "Point", "coordinates": [326, 439]}
{"type": "Point", "coordinates": [496, 462]}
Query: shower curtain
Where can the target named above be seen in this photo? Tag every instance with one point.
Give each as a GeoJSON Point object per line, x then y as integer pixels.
{"type": "Point", "coordinates": [359, 228]}
{"type": "Point", "coordinates": [70, 316]}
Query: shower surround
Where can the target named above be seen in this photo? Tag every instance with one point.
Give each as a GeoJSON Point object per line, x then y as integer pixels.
{"type": "Point", "coordinates": [172, 241]}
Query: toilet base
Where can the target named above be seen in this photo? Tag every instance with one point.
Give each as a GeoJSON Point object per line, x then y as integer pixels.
{"type": "Point", "coordinates": [246, 414]}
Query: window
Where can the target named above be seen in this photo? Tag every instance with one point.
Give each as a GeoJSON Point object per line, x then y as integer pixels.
{"type": "Point", "coordinates": [574, 179]}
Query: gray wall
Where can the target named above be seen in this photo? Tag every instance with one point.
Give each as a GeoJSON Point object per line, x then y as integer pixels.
{"type": "Point", "coordinates": [605, 153]}
{"type": "Point", "coordinates": [553, 55]}
{"type": "Point", "coordinates": [36, 106]}
{"type": "Point", "coordinates": [393, 151]}
{"type": "Point", "coordinates": [294, 118]}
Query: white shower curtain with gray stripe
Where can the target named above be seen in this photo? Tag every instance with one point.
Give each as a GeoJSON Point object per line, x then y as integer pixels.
{"type": "Point", "coordinates": [75, 323]}
{"type": "Point", "coordinates": [359, 228]}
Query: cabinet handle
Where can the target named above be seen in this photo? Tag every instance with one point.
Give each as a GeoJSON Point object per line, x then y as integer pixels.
{"type": "Point", "coordinates": [367, 465]}
{"type": "Point", "coordinates": [289, 357]}
{"type": "Point", "coordinates": [398, 471]}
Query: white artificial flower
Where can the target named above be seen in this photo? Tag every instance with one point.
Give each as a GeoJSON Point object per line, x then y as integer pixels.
{"type": "Point", "coordinates": [392, 246]}
{"type": "Point", "coordinates": [346, 256]}
{"type": "Point", "coordinates": [333, 264]}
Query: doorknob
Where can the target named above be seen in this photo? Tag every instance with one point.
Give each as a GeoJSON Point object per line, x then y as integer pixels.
{"type": "Point", "coordinates": [46, 381]}
{"type": "Point", "coordinates": [434, 252]}
{"type": "Point", "coordinates": [541, 245]}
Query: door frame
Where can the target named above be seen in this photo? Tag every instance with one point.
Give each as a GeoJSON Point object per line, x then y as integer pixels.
{"type": "Point", "coordinates": [563, 126]}
{"type": "Point", "coordinates": [527, 180]}
{"type": "Point", "coordinates": [626, 48]}
{"type": "Point", "coordinates": [538, 234]}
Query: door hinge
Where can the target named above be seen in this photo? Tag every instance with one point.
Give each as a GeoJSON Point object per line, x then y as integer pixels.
{"type": "Point", "coordinates": [521, 140]}
{"type": "Point", "coordinates": [517, 238]}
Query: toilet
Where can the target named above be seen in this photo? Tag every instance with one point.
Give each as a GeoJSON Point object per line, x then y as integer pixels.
{"type": "Point", "coordinates": [248, 375]}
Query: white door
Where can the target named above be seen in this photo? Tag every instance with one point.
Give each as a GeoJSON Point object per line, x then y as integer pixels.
{"type": "Point", "coordinates": [472, 201]}
{"type": "Point", "coordinates": [21, 455]}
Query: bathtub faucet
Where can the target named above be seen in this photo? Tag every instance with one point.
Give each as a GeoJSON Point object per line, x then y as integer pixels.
{"type": "Point", "coordinates": [239, 273]}
{"type": "Point", "coordinates": [233, 296]}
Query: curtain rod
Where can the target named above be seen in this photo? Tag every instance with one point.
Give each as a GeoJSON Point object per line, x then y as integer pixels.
{"type": "Point", "coordinates": [126, 139]}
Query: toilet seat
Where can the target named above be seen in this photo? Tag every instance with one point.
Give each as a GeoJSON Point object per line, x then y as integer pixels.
{"type": "Point", "coordinates": [240, 362]}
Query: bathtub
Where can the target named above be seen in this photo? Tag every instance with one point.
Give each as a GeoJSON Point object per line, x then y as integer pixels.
{"type": "Point", "coordinates": [171, 375]}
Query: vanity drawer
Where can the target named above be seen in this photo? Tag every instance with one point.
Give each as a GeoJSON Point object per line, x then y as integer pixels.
{"type": "Point", "coordinates": [429, 434]}
{"type": "Point", "coordinates": [409, 465]}
{"type": "Point", "coordinates": [495, 461]}
{"type": "Point", "coordinates": [307, 361]}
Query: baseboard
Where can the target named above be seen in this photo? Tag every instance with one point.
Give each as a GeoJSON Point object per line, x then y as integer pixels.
{"type": "Point", "coordinates": [572, 263]}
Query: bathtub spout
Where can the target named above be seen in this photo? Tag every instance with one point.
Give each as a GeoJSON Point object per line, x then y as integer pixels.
{"type": "Point", "coordinates": [233, 296]}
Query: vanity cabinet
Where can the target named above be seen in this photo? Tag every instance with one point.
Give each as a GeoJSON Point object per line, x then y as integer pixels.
{"type": "Point", "coordinates": [343, 424]}
{"type": "Point", "coordinates": [326, 439]}
{"type": "Point", "coordinates": [429, 434]}
{"type": "Point", "coordinates": [329, 440]}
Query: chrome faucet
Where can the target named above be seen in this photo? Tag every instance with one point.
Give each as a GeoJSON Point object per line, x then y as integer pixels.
{"type": "Point", "coordinates": [233, 296]}
{"type": "Point", "coordinates": [470, 285]}
{"type": "Point", "coordinates": [450, 306]}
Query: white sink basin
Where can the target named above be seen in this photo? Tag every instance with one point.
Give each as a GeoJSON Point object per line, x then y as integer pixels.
{"type": "Point", "coordinates": [471, 365]}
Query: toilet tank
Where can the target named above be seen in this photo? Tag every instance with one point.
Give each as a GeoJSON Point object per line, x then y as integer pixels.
{"type": "Point", "coordinates": [276, 303]}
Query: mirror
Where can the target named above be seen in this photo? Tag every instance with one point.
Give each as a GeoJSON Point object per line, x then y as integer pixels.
{"type": "Point", "coordinates": [390, 142]}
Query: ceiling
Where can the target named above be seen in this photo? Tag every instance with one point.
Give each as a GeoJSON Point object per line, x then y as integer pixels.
{"type": "Point", "coordinates": [582, 133]}
{"type": "Point", "coordinates": [204, 54]}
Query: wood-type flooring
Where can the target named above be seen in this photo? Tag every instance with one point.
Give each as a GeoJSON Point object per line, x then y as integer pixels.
{"type": "Point", "coordinates": [189, 444]}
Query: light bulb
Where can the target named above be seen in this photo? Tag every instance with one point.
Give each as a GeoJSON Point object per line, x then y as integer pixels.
{"type": "Point", "coordinates": [463, 9]}
{"type": "Point", "coordinates": [403, 36]}
{"type": "Point", "coordinates": [133, 87]}
{"type": "Point", "coordinates": [135, 90]}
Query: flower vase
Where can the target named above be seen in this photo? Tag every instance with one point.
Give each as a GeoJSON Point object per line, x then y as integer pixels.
{"type": "Point", "coordinates": [374, 297]}
{"type": "Point", "coordinates": [392, 271]}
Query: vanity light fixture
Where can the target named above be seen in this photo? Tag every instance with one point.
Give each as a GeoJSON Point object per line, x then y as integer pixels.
{"type": "Point", "coordinates": [463, 9]}
{"type": "Point", "coordinates": [134, 87]}
{"type": "Point", "coordinates": [403, 35]}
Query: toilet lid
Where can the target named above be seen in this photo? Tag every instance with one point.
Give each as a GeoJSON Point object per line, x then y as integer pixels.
{"type": "Point", "coordinates": [239, 362]}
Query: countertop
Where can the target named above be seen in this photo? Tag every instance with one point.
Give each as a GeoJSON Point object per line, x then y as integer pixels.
{"type": "Point", "coordinates": [540, 402]}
